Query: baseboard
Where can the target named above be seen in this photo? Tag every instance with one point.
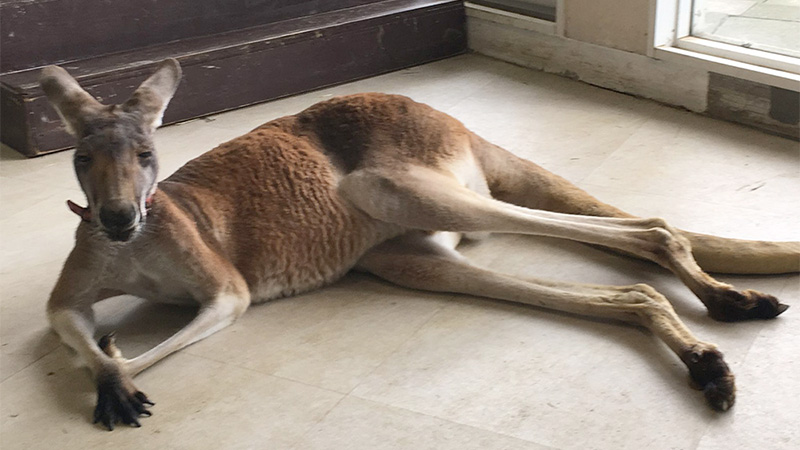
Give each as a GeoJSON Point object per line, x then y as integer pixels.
{"type": "Point", "coordinates": [618, 70]}
{"type": "Point", "coordinates": [674, 81]}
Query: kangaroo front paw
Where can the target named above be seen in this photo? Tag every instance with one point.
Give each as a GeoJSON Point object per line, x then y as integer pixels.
{"type": "Point", "coordinates": [730, 305]}
{"type": "Point", "coordinates": [710, 374]}
{"type": "Point", "coordinates": [118, 400]}
{"type": "Point", "coordinates": [118, 403]}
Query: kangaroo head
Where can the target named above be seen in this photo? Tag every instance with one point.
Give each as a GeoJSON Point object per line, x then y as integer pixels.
{"type": "Point", "coordinates": [115, 160]}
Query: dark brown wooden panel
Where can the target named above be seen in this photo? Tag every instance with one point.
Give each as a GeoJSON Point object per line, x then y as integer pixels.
{"type": "Point", "coordinates": [39, 32]}
{"type": "Point", "coordinates": [255, 65]}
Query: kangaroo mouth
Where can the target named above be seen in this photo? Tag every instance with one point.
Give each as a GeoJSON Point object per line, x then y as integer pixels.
{"type": "Point", "coordinates": [121, 235]}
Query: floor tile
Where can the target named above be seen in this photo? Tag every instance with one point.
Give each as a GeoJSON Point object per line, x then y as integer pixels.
{"type": "Point", "coordinates": [568, 131]}
{"type": "Point", "coordinates": [507, 369]}
{"type": "Point", "coordinates": [25, 335]}
{"type": "Point", "coordinates": [43, 232]}
{"type": "Point", "coordinates": [356, 424]}
{"type": "Point", "coordinates": [767, 398]}
{"type": "Point", "coordinates": [54, 170]}
{"type": "Point", "coordinates": [708, 216]}
{"type": "Point", "coordinates": [331, 338]}
{"type": "Point", "coordinates": [679, 154]}
{"type": "Point", "coordinates": [49, 405]}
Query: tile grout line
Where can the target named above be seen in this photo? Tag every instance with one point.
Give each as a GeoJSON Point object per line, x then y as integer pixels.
{"type": "Point", "coordinates": [31, 363]}
{"type": "Point", "coordinates": [467, 96]}
{"type": "Point", "coordinates": [474, 427]}
{"type": "Point", "coordinates": [401, 344]}
{"type": "Point", "coordinates": [321, 419]}
{"type": "Point", "coordinates": [342, 395]}
{"type": "Point", "coordinates": [280, 377]}
{"type": "Point", "coordinates": [274, 374]}
{"type": "Point", "coordinates": [597, 167]}
{"type": "Point", "coordinates": [454, 422]}
{"type": "Point", "coordinates": [693, 198]}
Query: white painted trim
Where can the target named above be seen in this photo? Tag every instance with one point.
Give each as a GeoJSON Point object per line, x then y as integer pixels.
{"type": "Point", "coordinates": [509, 18]}
{"type": "Point", "coordinates": [561, 19]}
{"type": "Point", "coordinates": [622, 71]}
{"type": "Point", "coordinates": [683, 22]}
{"type": "Point", "coordinates": [737, 53]}
{"type": "Point", "coordinates": [670, 75]}
{"type": "Point", "coordinates": [672, 41]}
{"type": "Point", "coordinates": [725, 66]}
{"type": "Point", "coordinates": [663, 23]}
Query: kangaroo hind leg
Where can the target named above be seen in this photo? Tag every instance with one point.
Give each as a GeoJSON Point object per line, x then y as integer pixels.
{"type": "Point", "coordinates": [417, 260]}
{"type": "Point", "coordinates": [425, 198]}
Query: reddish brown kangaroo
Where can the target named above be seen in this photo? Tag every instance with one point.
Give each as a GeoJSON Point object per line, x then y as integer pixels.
{"type": "Point", "coordinates": [371, 182]}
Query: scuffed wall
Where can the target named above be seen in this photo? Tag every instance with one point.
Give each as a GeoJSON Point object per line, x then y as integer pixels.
{"type": "Point", "coordinates": [618, 24]}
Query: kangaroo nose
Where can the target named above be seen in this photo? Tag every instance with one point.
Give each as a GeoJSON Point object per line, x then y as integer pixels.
{"type": "Point", "coordinates": [118, 216]}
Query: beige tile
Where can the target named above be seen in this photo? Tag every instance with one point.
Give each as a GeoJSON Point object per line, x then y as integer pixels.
{"type": "Point", "coordinates": [767, 397]}
{"type": "Point", "coordinates": [565, 127]}
{"type": "Point", "coordinates": [54, 170]}
{"type": "Point", "coordinates": [359, 424]}
{"type": "Point", "coordinates": [49, 405]}
{"type": "Point", "coordinates": [331, 338]}
{"type": "Point", "coordinates": [17, 195]}
{"type": "Point", "coordinates": [43, 232]}
{"type": "Point", "coordinates": [35, 238]}
{"type": "Point", "coordinates": [773, 222]}
{"type": "Point", "coordinates": [25, 335]}
{"type": "Point", "coordinates": [140, 324]}
{"type": "Point", "coordinates": [689, 157]}
{"type": "Point", "coordinates": [542, 377]}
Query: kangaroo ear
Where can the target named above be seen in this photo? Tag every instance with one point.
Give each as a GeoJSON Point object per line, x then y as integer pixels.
{"type": "Point", "coordinates": [73, 104]}
{"type": "Point", "coordinates": [152, 97]}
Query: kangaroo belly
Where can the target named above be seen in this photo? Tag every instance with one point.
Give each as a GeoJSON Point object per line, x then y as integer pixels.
{"type": "Point", "coordinates": [286, 263]}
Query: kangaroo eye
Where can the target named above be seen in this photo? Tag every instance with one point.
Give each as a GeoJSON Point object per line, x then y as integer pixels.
{"type": "Point", "coordinates": [83, 159]}
{"type": "Point", "coordinates": [145, 155]}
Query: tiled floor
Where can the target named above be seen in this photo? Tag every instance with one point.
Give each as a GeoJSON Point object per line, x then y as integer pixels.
{"type": "Point", "coordinates": [364, 365]}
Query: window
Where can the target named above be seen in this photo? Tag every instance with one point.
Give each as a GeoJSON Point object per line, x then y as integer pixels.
{"type": "Point", "coordinates": [754, 39]}
{"type": "Point", "coordinates": [767, 25]}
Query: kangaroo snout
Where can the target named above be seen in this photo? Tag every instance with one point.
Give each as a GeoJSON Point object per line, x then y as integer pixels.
{"type": "Point", "coordinates": [119, 219]}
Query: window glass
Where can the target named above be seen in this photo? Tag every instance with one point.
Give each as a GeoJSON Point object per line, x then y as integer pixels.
{"type": "Point", "coordinates": [768, 25]}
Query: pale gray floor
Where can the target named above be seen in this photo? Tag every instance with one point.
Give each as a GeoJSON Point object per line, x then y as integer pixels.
{"type": "Point", "coordinates": [364, 365]}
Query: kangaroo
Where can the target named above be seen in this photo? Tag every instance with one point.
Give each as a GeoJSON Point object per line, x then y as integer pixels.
{"type": "Point", "coordinates": [369, 182]}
